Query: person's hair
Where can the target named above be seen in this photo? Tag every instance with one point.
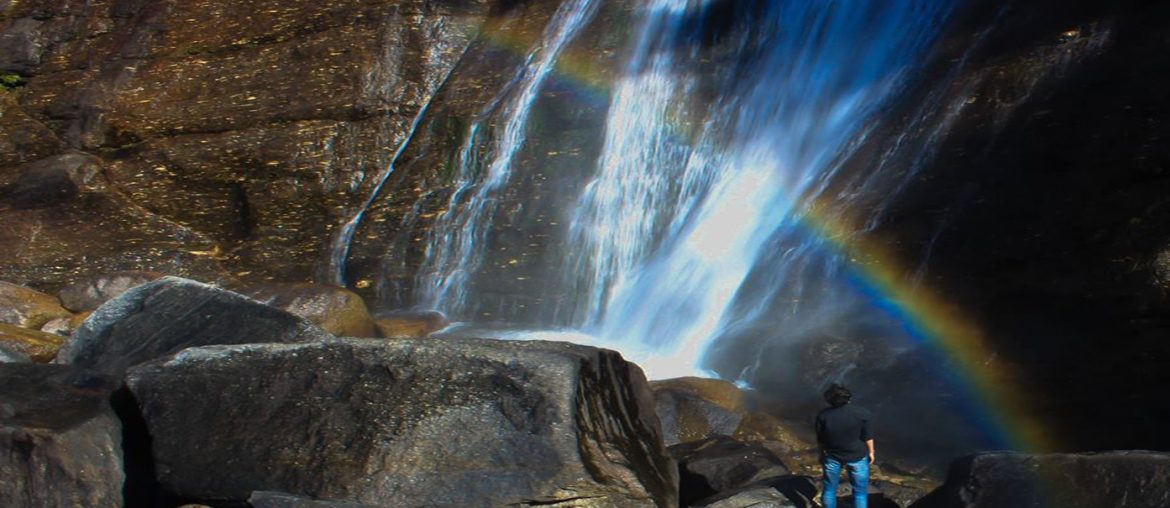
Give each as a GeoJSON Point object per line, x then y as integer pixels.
{"type": "Point", "coordinates": [837, 395]}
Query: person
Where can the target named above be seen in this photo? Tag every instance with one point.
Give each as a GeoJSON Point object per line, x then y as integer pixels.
{"type": "Point", "coordinates": [846, 441]}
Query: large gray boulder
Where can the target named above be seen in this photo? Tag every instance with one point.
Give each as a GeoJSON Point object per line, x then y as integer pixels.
{"type": "Point", "coordinates": [407, 422]}
{"type": "Point", "coordinates": [60, 442]}
{"type": "Point", "coordinates": [722, 464]}
{"type": "Point", "coordinates": [170, 314]}
{"type": "Point", "coordinates": [1124, 479]}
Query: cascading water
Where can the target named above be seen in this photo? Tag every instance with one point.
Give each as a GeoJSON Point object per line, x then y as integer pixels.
{"type": "Point", "coordinates": [455, 251]}
{"type": "Point", "coordinates": [672, 227]}
{"type": "Point", "coordinates": [695, 225]}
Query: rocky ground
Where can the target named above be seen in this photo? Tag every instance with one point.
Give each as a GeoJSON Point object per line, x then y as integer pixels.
{"type": "Point", "coordinates": [171, 392]}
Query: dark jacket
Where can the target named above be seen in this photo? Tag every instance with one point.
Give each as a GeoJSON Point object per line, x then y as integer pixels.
{"type": "Point", "coordinates": [842, 432]}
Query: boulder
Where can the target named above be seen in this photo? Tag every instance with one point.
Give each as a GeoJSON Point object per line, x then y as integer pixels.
{"type": "Point", "coordinates": [782, 491]}
{"type": "Point", "coordinates": [784, 438]}
{"type": "Point", "coordinates": [169, 314]}
{"type": "Point", "coordinates": [721, 464]}
{"type": "Point", "coordinates": [36, 345]}
{"type": "Point", "coordinates": [263, 499]}
{"type": "Point", "coordinates": [91, 292]}
{"type": "Point", "coordinates": [406, 422]}
{"type": "Point", "coordinates": [410, 324]}
{"type": "Point", "coordinates": [693, 409]}
{"type": "Point", "coordinates": [756, 497]}
{"type": "Point", "coordinates": [28, 308]}
{"type": "Point", "coordinates": [1121, 479]}
{"type": "Point", "coordinates": [60, 439]}
{"type": "Point", "coordinates": [336, 310]}
{"type": "Point", "coordinates": [752, 497]}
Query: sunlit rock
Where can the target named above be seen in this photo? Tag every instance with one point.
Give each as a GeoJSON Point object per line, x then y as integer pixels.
{"type": "Point", "coordinates": [692, 409]}
{"type": "Point", "coordinates": [784, 438]}
{"type": "Point", "coordinates": [1121, 479]}
{"type": "Point", "coordinates": [91, 292]}
{"type": "Point", "coordinates": [410, 324]}
{"type": "Point", "coordinates": [38, 346]}
{"type": "Point", "coordinates": [60, 440]}
{"type": "Point", "coordinates": [28, 308]}
{"type": "Point", "coordinates": [169, 314]}
{"type": "Point", "coordinates": [406, 423]}
{"type": "Point", "coordinates": [336, 310]}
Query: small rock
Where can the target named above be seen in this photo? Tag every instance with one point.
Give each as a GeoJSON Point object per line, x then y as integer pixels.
{"type": "Point", "coordinates": [91, 292]}
{"type": "Point", "coordinates": [66, 326]}
{"type": "Point", "coordinates": [170, 314]}
{"type": "Point", "coordinates": [28, 308]}
{"type": "Point", "coordinates": [338, 311]}
{"type": "Point", "coordinates": [38, 346]}
{"type": "Point", "coordinates": [410, 324]}
{"type": "Point", "coordinates": [60, 439]}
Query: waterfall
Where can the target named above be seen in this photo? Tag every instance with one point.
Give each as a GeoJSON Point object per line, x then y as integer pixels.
{"type": "Point", "coordinates": [457, 242]}
{"type": "Point", "coordinates": [682, 214]}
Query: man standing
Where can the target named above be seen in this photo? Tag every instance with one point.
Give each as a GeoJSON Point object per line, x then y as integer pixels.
{"type": "Point", "coordinates": [844, 437]}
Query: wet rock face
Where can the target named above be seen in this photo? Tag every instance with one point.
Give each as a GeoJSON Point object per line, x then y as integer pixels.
{"type": "Point", "coordinates": [170, 314]}
{"type": "Point", "coordinates": [406, 423]}
{"type": "Point", "coordinates": [61, 440]}
{"type": "Point", "coordinates": [1014, 480]}
{"type": "Point", "coordinates": [241, 132]}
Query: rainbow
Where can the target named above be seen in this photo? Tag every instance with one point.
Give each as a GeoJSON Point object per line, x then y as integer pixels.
{"type": "Point", "coordinates": [1002, 408]}
{"type": "Point", "coordinates": [993, 396]}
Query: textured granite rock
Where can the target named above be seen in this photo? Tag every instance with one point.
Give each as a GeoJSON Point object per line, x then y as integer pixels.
{"type": "Point", "coordinates": [693, 409]}
{"type": "Point", "coordinates": [242, 132]}
{"type": "Point", "coordinates": [170, 314]}
{"type": "Point", "coordinates": [722, 464]}
{"type": "Point", "coordinates": [1122, 479]}
{"type": "Point", "coordinates": [60, 442]}
{"type": "Point", "coordinates": [406, 423]}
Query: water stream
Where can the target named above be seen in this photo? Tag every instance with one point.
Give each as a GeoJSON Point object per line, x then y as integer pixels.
{"type": "Point", "coordinates": [695, 221]}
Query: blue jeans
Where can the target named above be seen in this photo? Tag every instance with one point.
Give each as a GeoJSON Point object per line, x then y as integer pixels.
{"type": "Point", "coordinates": [858, 479]}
